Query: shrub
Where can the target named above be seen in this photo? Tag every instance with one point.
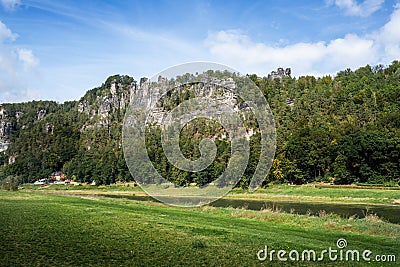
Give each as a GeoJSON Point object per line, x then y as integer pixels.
{"type": "Point", "coordinates": [10, 183]}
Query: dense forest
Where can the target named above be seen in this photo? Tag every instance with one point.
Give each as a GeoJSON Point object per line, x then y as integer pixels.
{"type": "Point", "coordinates": [343, 129]}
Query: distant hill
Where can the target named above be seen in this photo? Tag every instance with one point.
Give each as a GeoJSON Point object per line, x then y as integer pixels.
{"type": "Point", "coordinates": [343, 129]}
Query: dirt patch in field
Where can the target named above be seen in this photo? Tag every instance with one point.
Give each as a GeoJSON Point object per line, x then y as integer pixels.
{"type": "Point", "coordinates": [84, 195]}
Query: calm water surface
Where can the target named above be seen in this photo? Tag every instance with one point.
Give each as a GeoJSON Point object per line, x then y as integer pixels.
{"type": "Point", "coordinates": [390, 213]}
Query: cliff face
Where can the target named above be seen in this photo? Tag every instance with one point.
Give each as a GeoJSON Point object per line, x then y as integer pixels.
{"type": "Point", "coordinates": [100, 104]}
{"type": "Point", "coordinates": [5, 129]}
{"type": "Point", "coordinates": [80, 137]}
{"type": "Point", "coordinates": [103, 106]}
{"type": "Point", "coordinates": [99, 107]}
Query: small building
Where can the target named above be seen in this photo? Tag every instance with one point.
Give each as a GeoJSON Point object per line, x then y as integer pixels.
{"type": "Point", "coordinates": [58, 176]}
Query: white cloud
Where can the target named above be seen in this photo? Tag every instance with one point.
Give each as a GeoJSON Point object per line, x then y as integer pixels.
{"type": "Point", "coordinates": [20, 95]}
{"type": "Point", "coordinates": [317, 58]}
{"type": "Point", "coordinates": [388, 37]}
{"type": "Point", "coordinates": [10, 4]}
{"type": "Point", "coordinates": [17, 68]}
{"type": "Point", "coordinates": [6, 33]}
{"type": "Point", "coordinates": [27, 58]}
{"type": "Point", "coordinates": [353, 8]}
{"type": "Point", "coordinates": [14, 80]}
{"type": "Point", "coordinates": [351, 51]}
{"type": "Point", "coordinates": [305, 58]}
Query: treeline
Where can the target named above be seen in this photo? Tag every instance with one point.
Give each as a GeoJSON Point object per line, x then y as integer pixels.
{"type": "Point", "coordinates": [343, 129]}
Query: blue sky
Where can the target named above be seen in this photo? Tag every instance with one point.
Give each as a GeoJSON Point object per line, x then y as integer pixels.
{"type": "Point", "coordinates": [59, 49]}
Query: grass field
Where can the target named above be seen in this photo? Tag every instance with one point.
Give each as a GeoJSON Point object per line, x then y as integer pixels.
{"type": "Point", "coordinates": [39, 229]}
{"type": "Point", "coordinates": [276, 193]}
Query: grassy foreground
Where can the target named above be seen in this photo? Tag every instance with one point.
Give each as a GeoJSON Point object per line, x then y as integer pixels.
{"type": "Point", "coordinates": [52, 230]}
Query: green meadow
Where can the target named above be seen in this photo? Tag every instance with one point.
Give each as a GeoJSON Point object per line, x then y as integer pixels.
{"type": "Point", "coordinates": [323, 193]}
{"type": "Point", "coordinates": [38, 229]}
{"type": "Point", "coordinates": [310, 193]}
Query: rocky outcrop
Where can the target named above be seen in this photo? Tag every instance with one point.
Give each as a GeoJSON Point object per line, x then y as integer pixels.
{"type": "Point", "coordinates": [4, 144]}
{"type": "Point", "coordinates": [41, 114]}
{"type": "Point", "coordinates": [279, 73]}
{"type": "Point", "coordinates": [118, 95]}
{"type": "Point", "coordinates": [49, 128]}
{"type": "Point", "coordinates": [11, 159]}
{"type": "Point", "coordinates": [158, 104]}
{"type": "Point", "coordinates": [218, 89]}
{"type": "Point", "coordinates": [84, 107]}
{"type": "Point", "coordinates": [290, 102]}
{"type": "Point", "coordinates": [5, 131]}
{"type": "Point", "coordinates": [2, 112]}
{"type": "Point", "coordinates": [5, 128]}
{"type": "Point", "coordinates": [18, 115]}
{"type": "Point", "coordinates": [110, 99]}
{"type": "Point", "coordinates": [105, 107]}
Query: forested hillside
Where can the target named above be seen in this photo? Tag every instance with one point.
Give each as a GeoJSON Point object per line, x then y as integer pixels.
{"type": "Point", "coordinates": [343, 129]}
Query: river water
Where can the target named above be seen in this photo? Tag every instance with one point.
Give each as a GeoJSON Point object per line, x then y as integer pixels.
{"type": "Point", "coordinates": [390, 213]}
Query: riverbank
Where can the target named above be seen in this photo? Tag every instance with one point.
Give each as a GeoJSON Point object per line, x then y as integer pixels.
{"type": "Point", "coordinates": [323, 193]}
{"type": "Point", "coordinates": [304, 193]}
{"type": "Point", "coordinates": [344, 201]}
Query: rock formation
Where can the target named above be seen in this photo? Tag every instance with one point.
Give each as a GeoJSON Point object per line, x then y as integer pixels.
{"type": "Point", "coordinates": [279, 73]}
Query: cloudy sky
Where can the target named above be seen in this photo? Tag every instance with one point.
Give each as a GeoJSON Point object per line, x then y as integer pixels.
{"type": "Point", "coordinates": [59, 49]}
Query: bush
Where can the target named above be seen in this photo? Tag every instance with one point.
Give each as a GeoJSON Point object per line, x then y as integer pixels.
{"type": "Point", "coordinates": [10, 183]}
